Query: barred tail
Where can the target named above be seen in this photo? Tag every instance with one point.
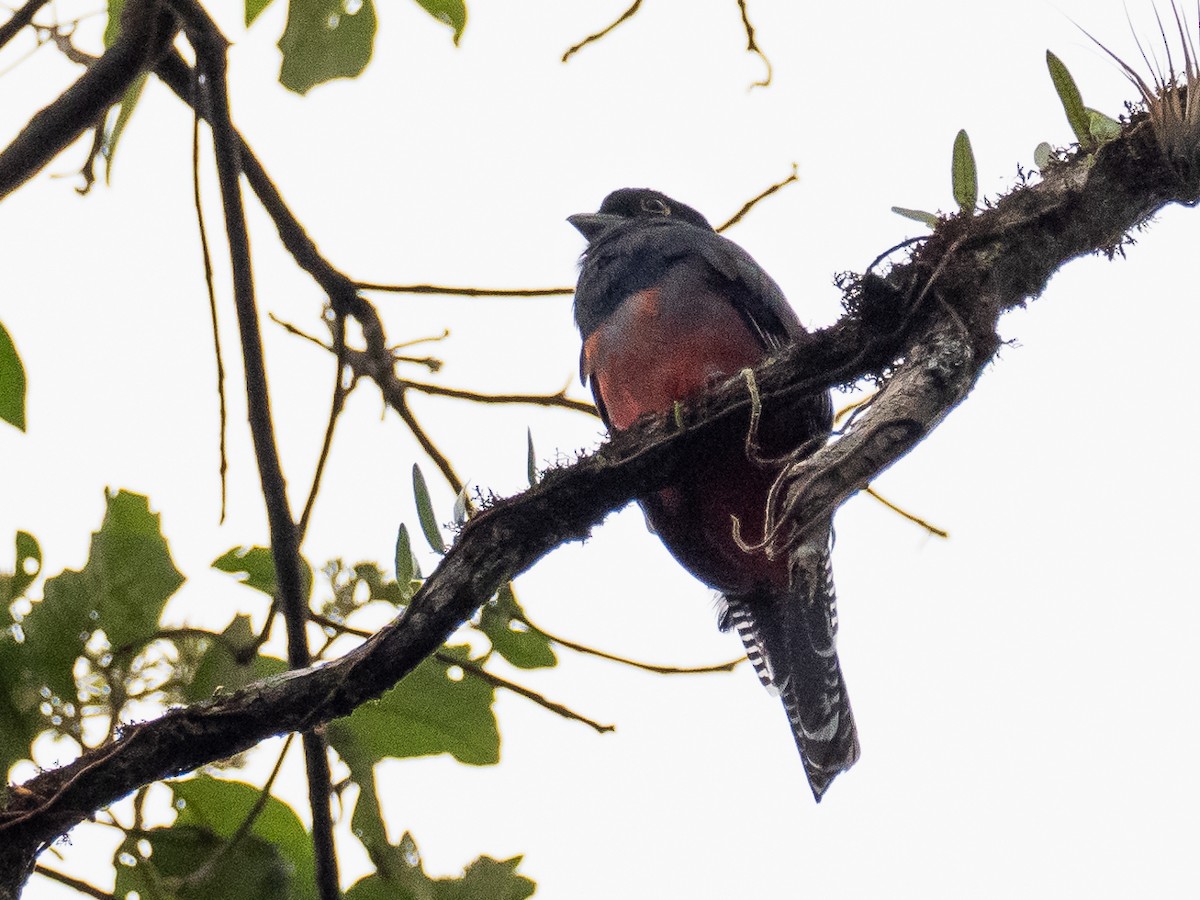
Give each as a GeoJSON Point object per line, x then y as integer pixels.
{"type": "Point", "coordinates": [791, 642]}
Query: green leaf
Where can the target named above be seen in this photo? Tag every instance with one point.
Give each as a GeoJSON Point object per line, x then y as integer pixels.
{"type": "Point", "coordinates": [425, 512]}
{"type": "Point", "coordinates": [1071, 100]}
{"type": "Point", "coordinates": [23, 574]}
{"type": "Point", "coordinates": [129, 573]}
{"type": "Point", "coordinates": [229, 662]}
{"type": "Point", "coordinates": [484, 879]}
{"type": "Point", "coordinates": [273, 859]}
{"type": "Point", "coordinates": [1101, 127]}
{"type": "Point", "coordinates": [122, 589]}
{"type": "Point", "coordinates": [254, 9]}
{"type": "Point", "coordinates": [405, 563]}
{"type": "Point", "coordinates": [124, 111]}
{"type": "Point", "coordinates": [248, 869]}
{"type": "Point", "coordinates": [325, 40]}
{"type": "Point", "coordinates": [917, 215]}
{"type": "Point", "coordinates": [963, 177]}
{"type": "Point", "coordinates": [428, 712]}
{"type": "Point", "coordinates": [502, 620]}
{"type": "Point", "coordinates": [449, 12]}
{"type": "Point", "coordinates": [257, 566]}
{"type": "Point", "coordinates": [113, 27]}
{"type": "Point", "coordinates": [530, 459]}
{"type": "Point", "coordinates": [12, 383]}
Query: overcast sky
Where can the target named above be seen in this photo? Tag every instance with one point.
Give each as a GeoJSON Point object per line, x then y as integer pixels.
{"type": "Point", "coordinates": [1025, 691]}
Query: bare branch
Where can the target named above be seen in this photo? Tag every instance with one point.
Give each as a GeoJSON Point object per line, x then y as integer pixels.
{"type": "Point", "coordinates": [754, 201]}
{"type": "Point", "coordinates": [625, 661]}
{"type": "Point", "coordinates": [445, 290]}
{"type": "Point", "coordinates": [147, 29]}
{"type": "Point", "coordinates": [206, 257]}
{"type": "Point", "coordinates": [19, 20]}
{"type": "Point", "coordinates": [624, 17]}
{"type": "Point", "coordinates": [916, 520]}
{"type": "Point", "coordinates": [752, 44]}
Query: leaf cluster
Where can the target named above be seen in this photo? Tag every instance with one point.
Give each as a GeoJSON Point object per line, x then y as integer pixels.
{"type": "Point", "coordinates": [74, 660]}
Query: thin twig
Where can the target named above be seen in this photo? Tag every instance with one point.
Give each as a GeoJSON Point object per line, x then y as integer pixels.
{"type": "Point", "coordinates": [206, 256]}
{"type": "Point", "coordinates": [398, 402]}
{"type": "Point", "coordinates": [648, 667]}
{"type": "Point", "coordinates": [463, 291]}
{"type": "Point", "coordinates": [916, 520]}
{"type": "Point", "coordinates": [496, 681]}
{"type": "Point", "coordinates": [754, 201]}
{"type": "Point", "coordinates": [74, 883]}
{"type": "Point", "coordinates": [19, 20]}
{"type": "Point", "coordinates": [340, 390]}
{"type": "Point", "coordinates": [752, 45]}
{"type": "Point", "coordinates": [560, 399]}
{"type": "Point", "coordinates": [624, 17]}
{"type": "Point", "coordinates": [292, 329]}
{"type": "Point", "coordinates": [478, 671]}
{"type": "Point", "coordinates": [200, 875]}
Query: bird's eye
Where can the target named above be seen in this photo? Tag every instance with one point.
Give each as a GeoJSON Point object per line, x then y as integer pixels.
{"type": "Point", "coordinates": [656, 206]}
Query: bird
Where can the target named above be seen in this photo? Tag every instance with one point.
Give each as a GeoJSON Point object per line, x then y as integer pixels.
{"type": "Point", "coordinates": [666, 307]}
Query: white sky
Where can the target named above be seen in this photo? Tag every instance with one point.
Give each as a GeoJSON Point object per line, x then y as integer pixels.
{"type": "Point", "coordinates": [1025, 692]}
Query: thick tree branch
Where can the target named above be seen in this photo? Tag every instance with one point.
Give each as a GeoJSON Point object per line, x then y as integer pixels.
{"type": "Point", "coordinates": [147, 29]}
{"type": "Point", "coordinates": [19, 20]}
{"type": "Point", "coordinates": [937, 313]}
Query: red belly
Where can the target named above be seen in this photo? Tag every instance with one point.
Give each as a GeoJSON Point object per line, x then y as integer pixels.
{"type": "Point", "coordinates": [652, 352]}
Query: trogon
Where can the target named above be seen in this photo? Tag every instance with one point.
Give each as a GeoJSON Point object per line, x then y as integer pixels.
{"type": "Point", "coordinates": [666, 308]}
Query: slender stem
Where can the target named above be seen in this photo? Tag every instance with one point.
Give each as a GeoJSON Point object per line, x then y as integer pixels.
{"type": "Point", "coordinates": [206, 256]}
{"type": "Point", "coordinates": [560, 399]}
{"type": "Point", "coordinates": [758, 198]}
{"type": "Point", "coordinates": [647, 667]}
{"type": "Point", "coordinates": [917, 520]}
{"type": "Point", "coordinates": [211, 48]}
{"type": "Point", "coordinates": [82, 886]}
{"type": "Point", "coordinates": [446, 290]}
{"type": "Point", "coordinates": [624, 17]}
{"type": "Point", "coordinates": [19, 20]}
{"type": "Point", "coordinates": [339, 400]}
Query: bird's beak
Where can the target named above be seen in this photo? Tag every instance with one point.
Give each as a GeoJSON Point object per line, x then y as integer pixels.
{"type": "Point", "coordinates": [592, 225]}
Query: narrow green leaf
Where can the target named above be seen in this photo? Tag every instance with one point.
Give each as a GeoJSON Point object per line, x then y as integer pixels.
{"type": "Point", "coordinates": [530, 459]}
{"type": "Point", "coordinates": [917, 215]}
{"type": "Point", "coordinates": [24, 574]}
{"type": "Point", "coordinates": [460, 506]}
{"type": "Point", "coordinates": [963, 176]}
{"type": "Point", "coordinates": [1101, 127]}
{"type": "Point", "coordinates": [324, 40]}
{"type": "Point", "coordinates": [113, 27]}
{"type": "Point", "coordinates": [12, 383]}
{"type": "Point", "coordinates": [1042, 154]}
{"type": "Point", "coordinates": [124, 111]}
{"type": "Point", "coordinates": [254, 9]}
{"type": "Point", "coordinates": [448, 12]}
{"type": "Point", "coordinates": [1071, 100]}
{"type": "Point", "coordinates": [404, 557]}
{"type": "Point", "coordinates": [425, 512]}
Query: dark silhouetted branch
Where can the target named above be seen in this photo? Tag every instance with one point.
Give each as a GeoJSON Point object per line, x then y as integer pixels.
{"type": "Point", "coordinates": [147, 29]}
